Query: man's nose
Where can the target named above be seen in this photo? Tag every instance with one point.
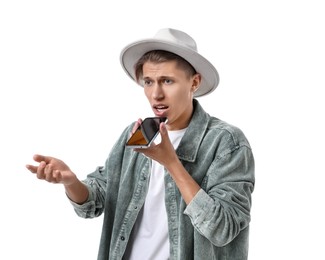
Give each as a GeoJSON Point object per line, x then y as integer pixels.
{"type": "Point", "coordinates": [157, 92]}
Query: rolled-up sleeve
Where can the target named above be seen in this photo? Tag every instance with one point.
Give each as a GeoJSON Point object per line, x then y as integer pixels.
{"type": "Point", "coordinates": [222, 209]}
{"type": "Point", "coordinates": [94, 206]}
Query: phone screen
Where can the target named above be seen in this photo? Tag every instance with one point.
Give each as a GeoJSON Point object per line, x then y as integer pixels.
{"type": "Point", "coordinates": [146, 132]}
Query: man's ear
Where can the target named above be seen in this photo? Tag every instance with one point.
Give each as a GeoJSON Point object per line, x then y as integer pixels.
{"type": "Point", "coordinates": [196, 82]}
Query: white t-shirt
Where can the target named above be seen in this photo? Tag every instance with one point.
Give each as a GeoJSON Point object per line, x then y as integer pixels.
{"type": "Point", "coordinates": [149, 238]}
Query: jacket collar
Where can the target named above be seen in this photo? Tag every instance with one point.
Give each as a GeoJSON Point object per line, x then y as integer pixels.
{"type": "Point", "coordinates": [190, 143]}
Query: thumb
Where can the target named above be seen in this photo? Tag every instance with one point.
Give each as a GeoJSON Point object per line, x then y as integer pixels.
{"type": "Point", "coordinates": [39, 158]}
{"type": "Point", "coordinates": [163, 130]}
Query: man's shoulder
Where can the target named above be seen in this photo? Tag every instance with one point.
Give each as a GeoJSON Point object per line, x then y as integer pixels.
{"type": "Point", "coordinates": [227, 130]}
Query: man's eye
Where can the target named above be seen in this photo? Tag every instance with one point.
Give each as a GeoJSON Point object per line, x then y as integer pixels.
{"type": "Point", "coordinates": [168, 81]}
{"type": "Point", "coordinates": [147, 82]}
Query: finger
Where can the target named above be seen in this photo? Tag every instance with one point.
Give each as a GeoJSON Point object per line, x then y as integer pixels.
{"type": "Point", "coordinates": [48, 169]}
{"type": "Point", "coordinates": [39, 158]}
{"type": "Point", "coordinates": [52, 175]}
{"type": "Point", "coordinates": [49, 177]}
{"type": "Point", "coordinates": [136, 125]}
{"type": "Point", "coordinates": [164, 134]}
{"type": "Point", "coordinates": [163, 130]}
{"type": "Point", "coordinates": [57, 176]}
{"type": "Point", "coordinates": [49, 173]}
{"type": "Point", "coordinates": [31, 168]}
{"type": "Point", "coordinates": [40, 170]}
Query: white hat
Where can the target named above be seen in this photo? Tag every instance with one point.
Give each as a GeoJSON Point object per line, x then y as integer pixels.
{"type": "Point", "coordinates": [177, 42]}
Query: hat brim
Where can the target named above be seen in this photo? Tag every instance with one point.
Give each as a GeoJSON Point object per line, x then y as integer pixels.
{"type": "Point", "coordinates": [134, 51]}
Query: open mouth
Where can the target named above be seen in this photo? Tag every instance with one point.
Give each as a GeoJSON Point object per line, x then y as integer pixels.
{"type": "Point", "coordinates": [160, 109]}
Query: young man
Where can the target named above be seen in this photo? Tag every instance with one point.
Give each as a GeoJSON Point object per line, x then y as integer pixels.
{"type": "Point", "coordinates": [187, 196]}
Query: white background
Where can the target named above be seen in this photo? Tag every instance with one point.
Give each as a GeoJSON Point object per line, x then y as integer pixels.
{"type": "Point", "coordinates": [63, 93]}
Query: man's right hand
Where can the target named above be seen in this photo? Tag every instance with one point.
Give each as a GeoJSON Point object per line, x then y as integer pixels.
{"type": "Point", "coordinates": [52, 170]}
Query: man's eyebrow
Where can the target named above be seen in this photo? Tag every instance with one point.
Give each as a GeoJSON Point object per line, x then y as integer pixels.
{"type": "Point", "coordinates": [161, 77]}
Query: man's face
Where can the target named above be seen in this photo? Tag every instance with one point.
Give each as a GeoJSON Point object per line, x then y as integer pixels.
{"type": "Point", "coordinates": [169, 91]}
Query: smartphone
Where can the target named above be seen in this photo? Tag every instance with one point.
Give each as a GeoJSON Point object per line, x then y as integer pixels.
{"type": "Point", "coordinates": [146, 132]}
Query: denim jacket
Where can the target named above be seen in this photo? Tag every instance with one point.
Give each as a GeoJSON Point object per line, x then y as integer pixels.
{"type": "Point", "coordinates": [214, 225]}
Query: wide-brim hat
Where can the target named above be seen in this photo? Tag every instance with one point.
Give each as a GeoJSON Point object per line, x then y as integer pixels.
{"type": "Point", "coordinates": [177, 42]}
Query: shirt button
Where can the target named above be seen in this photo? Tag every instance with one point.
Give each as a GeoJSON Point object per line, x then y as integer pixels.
{"type": "Point", "coordinates": [122, 238]}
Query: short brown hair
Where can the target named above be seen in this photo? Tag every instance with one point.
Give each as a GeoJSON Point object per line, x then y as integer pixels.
{"type": "Point", "coordinates": [159, 56]}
